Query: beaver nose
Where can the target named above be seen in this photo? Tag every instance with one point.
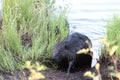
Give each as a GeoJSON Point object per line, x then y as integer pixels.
{"type": "Point", "coordinates": [54, 59]}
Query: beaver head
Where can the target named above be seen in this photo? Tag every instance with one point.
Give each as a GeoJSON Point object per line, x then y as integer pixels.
{"type": "Point", "coordinates": [61, 52]}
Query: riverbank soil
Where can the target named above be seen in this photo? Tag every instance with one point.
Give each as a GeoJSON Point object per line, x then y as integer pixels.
{"type": "Point", "coordinates": [50, 74]}
{"type": "Point", "coordinates": [53, 74]}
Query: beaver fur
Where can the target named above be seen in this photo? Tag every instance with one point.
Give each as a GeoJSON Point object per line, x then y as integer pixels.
{"type": "Point", "coordinates": [65, 52]}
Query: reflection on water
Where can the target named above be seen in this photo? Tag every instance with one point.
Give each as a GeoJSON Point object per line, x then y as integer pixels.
{"type": "Point", "coordinates": [89, 17]}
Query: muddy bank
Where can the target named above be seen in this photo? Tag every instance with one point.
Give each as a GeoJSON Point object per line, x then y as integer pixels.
{"type": "Point", "coordinates": [50, 74]}
{"type": "Point", "coordinates": [53, 74]}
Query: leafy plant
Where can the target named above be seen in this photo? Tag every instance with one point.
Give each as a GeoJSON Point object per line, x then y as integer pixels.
{"type": "Point", "coordinates": [34, 70]}
{"type": "Point", "coordinates": [92, 75]}
{"type": "Point", "coordinates": [110, 52]}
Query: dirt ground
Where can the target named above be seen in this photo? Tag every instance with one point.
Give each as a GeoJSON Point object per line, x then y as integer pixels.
{"type": "Point", "coordinates": [50, 74]}
{"type": "Point", "coordinates": [53, 74]}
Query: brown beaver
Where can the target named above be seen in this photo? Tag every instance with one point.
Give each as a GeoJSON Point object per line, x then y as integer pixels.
{"type": "Point", "coordinates": [65, 52]}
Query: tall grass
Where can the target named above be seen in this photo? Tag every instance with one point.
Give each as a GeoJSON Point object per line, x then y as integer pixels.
{"type": "Point", "coordinates": [113, 32]}
{"type": "Point", "coordinates": [30, 30]}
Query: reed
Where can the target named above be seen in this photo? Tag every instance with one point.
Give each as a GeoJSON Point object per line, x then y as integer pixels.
{"type": "Point", "coordinates": [30, 29]}
{"type": "Point", "coordinates": [113, 32]}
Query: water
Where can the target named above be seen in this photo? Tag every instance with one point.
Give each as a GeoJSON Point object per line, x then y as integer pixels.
{"type": "Point", "coordinates": [89, 17]}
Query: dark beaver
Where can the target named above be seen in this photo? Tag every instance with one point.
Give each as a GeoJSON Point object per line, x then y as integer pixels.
{"type": "Point", "coordinates": [65, 52]}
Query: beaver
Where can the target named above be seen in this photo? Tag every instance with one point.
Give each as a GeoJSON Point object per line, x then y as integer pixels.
{"type": "Point", "coordinates": [65, 52]}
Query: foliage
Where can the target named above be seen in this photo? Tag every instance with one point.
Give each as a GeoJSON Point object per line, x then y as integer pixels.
{"type": "Point", "coordinates": [30, 30]}
{"type": "Point", "coordinates": [1, 78]}
{"type": "Point", "coordinates": [34, 70]}
{"type": "Point", "coordinates": [110, 52]}
{"type": "Point", "coordinates": [92, 75]}
{"type": "Point", "coordinates": [83, 51]}
{"type": "Point", "coordinates": [113, 32]}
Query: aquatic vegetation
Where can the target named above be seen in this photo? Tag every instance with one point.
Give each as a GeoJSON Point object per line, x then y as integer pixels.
{"type": "Point", "coordinates": [1, 78]}
{"type": "Point", "coordinates": [110, 53]}
{"type": "Point", "coordinates": [113, 32]}
{"type": "Point", "coordinates": [30, 30]}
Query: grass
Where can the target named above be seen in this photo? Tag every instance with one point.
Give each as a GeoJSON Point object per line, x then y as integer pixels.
{"type": "Point", "coordinates": [1, 78]}
{"type": "Point", "coordinates": [30, 29]}
{"type": "Point", "coordinates": [108, 59]}
{"type": "Point", "coordinates": [111, 50]}
{"type": "Point", "coordinates": [113, 32]}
